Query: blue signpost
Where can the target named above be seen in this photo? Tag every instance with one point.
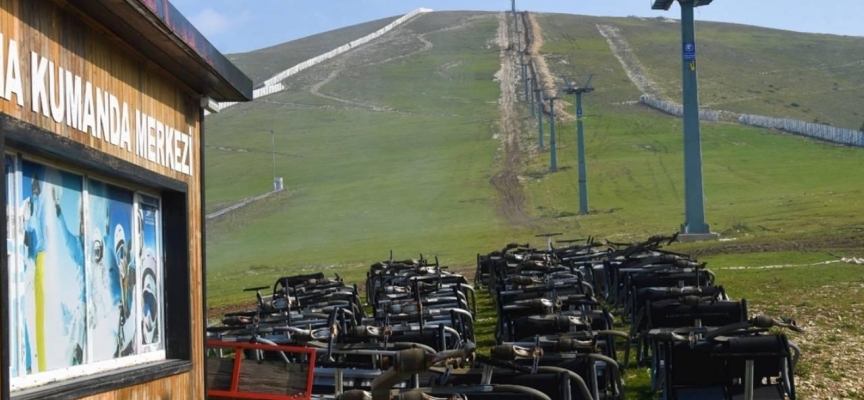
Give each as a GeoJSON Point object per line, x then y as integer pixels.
{"type": "Point", "coordinates": [580, 141]}
{"type": "Point", "coordinates": [694, 224]}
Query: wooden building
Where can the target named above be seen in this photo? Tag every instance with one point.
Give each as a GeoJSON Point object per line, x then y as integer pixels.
{"type": "Point", "coordinates": [102, 124]}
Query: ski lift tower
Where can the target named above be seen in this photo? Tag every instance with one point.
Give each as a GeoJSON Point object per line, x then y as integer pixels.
{"type": "Point", "coordinates": [579, 90]}
{"type": "Point", "coordinates": [553, 151]}
{"type": "Point", "coordinates": [538, 94]}
{"type": "Point", "coordinates": [694, 226]}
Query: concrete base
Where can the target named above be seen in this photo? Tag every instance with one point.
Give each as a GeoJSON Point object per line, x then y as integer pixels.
{"type": "Point", "coordinates": [698, 237]}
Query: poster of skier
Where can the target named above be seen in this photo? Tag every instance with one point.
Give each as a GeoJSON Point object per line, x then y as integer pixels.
{"type": "Point", "coordinates": [15, 298]}
{"type": "Point", "coordinates": [147, 248]}
{"type": "Point", "coordinates": [112, 279]}
{"type": "Point", "coordinates": [54, 305]}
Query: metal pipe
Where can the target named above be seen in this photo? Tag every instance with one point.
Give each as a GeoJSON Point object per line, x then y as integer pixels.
{"type": "Point", "coordinates": [366, 348]}
{"type": "Point", "coordinates": [408, 362]}
{"type": "Point", "coordinates": [574, 378]}
{"type": "Point", "coordinates": [271, 343]}
{"type": "Point", "coordinates": [694, 195]}
{"type": "Point", "coordinates": [338, 381]}
{"type": "Point", "coordinates": [540, 115]}
{"type": "Point", "coordinates": [616, 376]}
{"type": "Point", "coordinates": [748, 380]}
{"type": "Point", "coordinates": [553, 166]}
{"type": "Point", "coordinates": [795, 356]}
{"type": "Point", "coordinates": [522, 390]}
{"type": "Point", "coordinates": [626, 338]}
{"type": "Point", "coordinates": [580, 141]}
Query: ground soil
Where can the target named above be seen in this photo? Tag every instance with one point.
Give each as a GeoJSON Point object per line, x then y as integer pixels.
{"type": "Point", "coordinates": [826, 243]}
{"type": "Point", "coordinates": [533, 38]}
{"type": "Point", "coordinates": [511, 195]}
{"type": "Point", "coordinates": [634, 69]}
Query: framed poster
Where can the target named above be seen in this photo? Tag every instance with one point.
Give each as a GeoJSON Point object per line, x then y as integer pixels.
{"type": "Point", "coordinates": [54, 307]}
{"type": "Point", "coordinates": [147, 245]}
{"type": "Point", "coordinates": [86, 290]}
{"type": "Point", "coordinates": [11, 256]}
{"type": "Point", "coordinates": [112, 271]}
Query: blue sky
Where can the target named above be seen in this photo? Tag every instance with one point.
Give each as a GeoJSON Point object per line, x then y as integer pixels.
{"type": "Point", "coordinates": [243, 25]}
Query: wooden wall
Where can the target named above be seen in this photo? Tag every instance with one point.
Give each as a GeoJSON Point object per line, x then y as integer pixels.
{"type": "Point", "coordinates": [87, 51]}
{"type": "Point", "coordinates": [172, 388]}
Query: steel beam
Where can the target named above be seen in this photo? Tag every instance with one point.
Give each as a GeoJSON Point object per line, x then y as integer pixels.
{"type": "Point", "coordinates": [693, 189]}
{"type": "Point", "coordinates": [583, 174]}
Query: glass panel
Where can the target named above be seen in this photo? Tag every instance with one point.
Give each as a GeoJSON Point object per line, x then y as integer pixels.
{"type": "Point", "coordinates": [112, 271]}
{"type": "Point", "coordinates": [54, 309]}
{"type": "Point", "coordinates": [147, 247]}
{"type": "Point", "coordinates": [85, 272]}
{"type": "Point", "coordinates": [14, 276]}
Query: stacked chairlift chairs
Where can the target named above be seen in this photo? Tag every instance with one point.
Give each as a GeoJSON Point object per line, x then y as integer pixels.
{"type": "Point", "coordinates": [547, 305]}
{"type": "Point", "coordinates": [416, 343]}
{"type": "Point", "coordinates": [698, 342]}
{"type": "Point", "coordinates": [554, 338]}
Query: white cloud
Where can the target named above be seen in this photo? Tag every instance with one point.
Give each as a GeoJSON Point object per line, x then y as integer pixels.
{"type": "Point", "coordinates": [211, 22]}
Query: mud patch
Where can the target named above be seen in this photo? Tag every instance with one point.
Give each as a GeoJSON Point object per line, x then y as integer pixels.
{"type": "Point", "coordinates": [511, 196]}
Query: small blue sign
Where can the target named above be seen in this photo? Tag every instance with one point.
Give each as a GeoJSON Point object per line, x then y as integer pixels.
{"type": "Point", "coordinates": [689, 52]}
{"type": "Point", "coordinates": [579, 112]}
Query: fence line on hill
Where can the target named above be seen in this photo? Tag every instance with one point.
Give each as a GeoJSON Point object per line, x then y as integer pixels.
{"type": "Point", "coordinates": [675, 109]}
{"type": "Point", "coordinates": [827, 133]}
{"type": "Point", "coordinates": [274, 83]}
{"type": "Point", "coordinates": [818, 131]}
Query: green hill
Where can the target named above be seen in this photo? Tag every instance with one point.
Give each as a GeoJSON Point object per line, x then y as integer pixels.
{"type": "Point", "coordinates": [420, 142]}
{"type": "Point", "coordinates": [264, 63]}
{"type": "Point", "coordinates": [394, 146]}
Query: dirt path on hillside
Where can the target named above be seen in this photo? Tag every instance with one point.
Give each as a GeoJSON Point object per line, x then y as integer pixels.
{"type": "Point", "coordinates": [295, 104]}
{"type": "Point", "coordinates": [511, 201]}
{"type": "Point", "coordinates": [246, 150]}
{"type": "Point", "coordinates": [426, 46]}
{"type": "Point", "coordinates": [316, 90]}
{"type": "Point", "coordinates": [445, 67]}
{"type": "Point", "coordinates": [533, 38]}
{"type": "Point", "coordinates": [631, 64]}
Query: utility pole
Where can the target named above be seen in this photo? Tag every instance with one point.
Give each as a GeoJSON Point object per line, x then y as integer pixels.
{"type": "Point", "coordinates": [524, 73]}
{"type": "Point", "coordinates": [553, 151]}
{"type": "Point", "coordinates": [273, 152]}
{"type": "Point", "coordinates": [539, 114]}
{"type": "Point", "coordinates": [694, 198]}
{"type": "Point", "coordinates": [515, 27]}
{"type": "Point", "coordinates": [580, 142]}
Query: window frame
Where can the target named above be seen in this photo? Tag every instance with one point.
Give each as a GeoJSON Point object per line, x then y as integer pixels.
{"type": "Point", "coordinates": [58, 151]}
{"type": "Point", "coordinates": [23, 382]}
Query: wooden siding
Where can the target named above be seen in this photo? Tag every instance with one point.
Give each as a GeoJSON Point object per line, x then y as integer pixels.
{"type": "Point", "coordinates": [171, 388]}
{"type": "Point", "coordinates": [87, 51]}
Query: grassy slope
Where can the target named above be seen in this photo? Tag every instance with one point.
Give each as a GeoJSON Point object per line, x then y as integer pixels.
{"type": "Point", "coordinates": [754, 179]}
{"type": "Point", "coordinates": [756, 70]}
{"type": "Point", "coordinates": [263, 63]}
{"type": "Point", "coordinates": [769, 190]}
{"type": "Point", "coordinates": [363, 182]}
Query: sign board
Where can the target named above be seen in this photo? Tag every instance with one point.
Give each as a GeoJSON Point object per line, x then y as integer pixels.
{"type": "Point", "coordinates": [49, 86]}
{"type": "Point", "coordinates": [689, 51]}
{"type": "Point", "coordinates": [579, 112]}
